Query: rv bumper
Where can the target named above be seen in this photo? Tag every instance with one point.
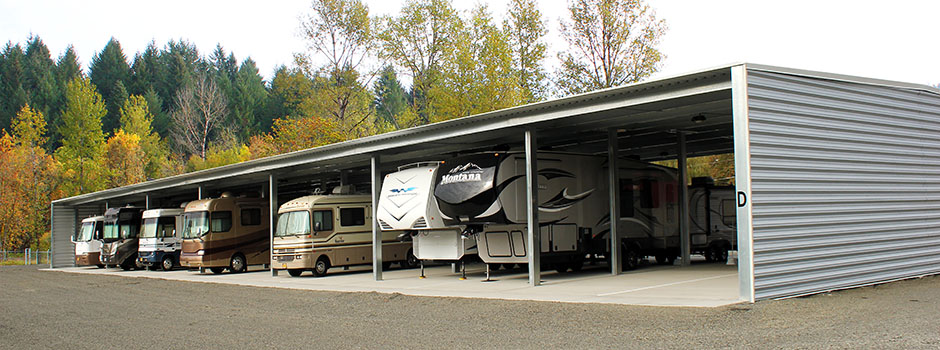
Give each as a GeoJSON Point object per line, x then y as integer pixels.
{"type": "Point", "coordinates": [88, 259]}
{"type": "Point", "coordinates": [293, 261]}
{"type": "Point", "coordinates": [191, 260]}
{"type": "Point", "coordinates": [150, 258]}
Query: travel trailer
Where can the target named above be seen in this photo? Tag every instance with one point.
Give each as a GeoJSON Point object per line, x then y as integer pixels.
{"type": "Point", "coordinates": [406, 203]}
{"type": "Point", "coordinates": [88, 242]}
{"type": "Point", "coordinates": [713, 215]}
{"type": "Point", "coordinates": [315, 233]}
{"type": "Point", "coordinates": [160, 239]}
{"type": "Point", "coordinates": [225, 233]}
{"type": "Point", "coordinates": [486, 193]}
{"type": "Point", "coordinates": [120, 238]}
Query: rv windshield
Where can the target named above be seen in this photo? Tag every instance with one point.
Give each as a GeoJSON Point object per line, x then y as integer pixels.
{"type": "Point", "coordinates": [88, 231]}
{"type": "Point", "coordinates": [150, 228]}
{"type": "Point", "coordinates": [293, 223]}
{"type": "Point", "coordinates": [195, 224]}
{"type": "Point", "coordinates": [111, 230]}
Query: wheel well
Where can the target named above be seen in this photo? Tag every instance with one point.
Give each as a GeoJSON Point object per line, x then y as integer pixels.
{"type": "Point", "coordinates": [325, 258]}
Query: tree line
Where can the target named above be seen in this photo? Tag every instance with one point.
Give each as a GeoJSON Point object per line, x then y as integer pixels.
{"type": "Point", "coordinates": [171, 109]}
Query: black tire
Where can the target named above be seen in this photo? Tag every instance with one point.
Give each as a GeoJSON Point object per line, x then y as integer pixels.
{"type": "Point", "coordinates": [718, 253]}
{"type": "Point", "coordinates": [576, 265]}
{"type": "Point", "coordinates": [217, 270]}
{"type": "Point", "coordinates": [100, 266]}
{"type": "Point", "coordinates": [167, 263]}
{"type": "Point", "coordinates": [128, 264]}
{"type": "Point", "coordinates": [631, 258]}
{"type": "Point", "coordinates": [663, 259]}
{"type": "Point", "coordinates": [411, 262]}
{"type": "Point", "coordinates": [295, 272]}
{"type": "Point", "coordinates": [238, 264]}
{"type": "Point", "coordinates": [321, 267]}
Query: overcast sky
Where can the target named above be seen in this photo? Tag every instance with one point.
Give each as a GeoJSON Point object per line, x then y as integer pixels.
{"type": "Point", "coordinates": [893, 40]}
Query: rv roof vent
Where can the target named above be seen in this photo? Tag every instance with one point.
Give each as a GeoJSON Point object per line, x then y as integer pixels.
{"type": "Point", "coordinates": [344, 189]}
{"type": "Point", "coordinates": [703, 181]}
{"type": "Point", "coordinates": [226, 194]}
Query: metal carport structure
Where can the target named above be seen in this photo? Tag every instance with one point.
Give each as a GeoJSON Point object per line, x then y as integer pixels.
{"type": "Point", "coordinates": [838, 177]}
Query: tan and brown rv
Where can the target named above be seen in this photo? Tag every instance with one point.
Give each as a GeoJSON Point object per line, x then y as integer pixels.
{"type": "Point", "coordinates": [226, 232]}
{"type": "Point", "coordinates": [322, 231]}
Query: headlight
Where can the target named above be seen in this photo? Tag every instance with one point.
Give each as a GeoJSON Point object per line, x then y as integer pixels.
{"type": "Point", "coordinates": [200, 252]}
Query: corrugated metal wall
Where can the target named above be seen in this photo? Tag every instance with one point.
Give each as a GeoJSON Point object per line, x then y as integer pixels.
{"type": "Point", "coordinates": [63, 226]}
{"type": "Point", "coordinates": [845, 183]}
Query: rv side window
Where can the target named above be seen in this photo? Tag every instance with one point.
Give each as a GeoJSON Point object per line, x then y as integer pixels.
{"type": "Point", "coordinates": [626, 198]}
{"type": "Point", "coordinates": [166, 227]}
{"type": "Point", "coordinates": [352, 216]}
{"type": "Point", "coordinates": [324, 218]}
{"type": "Point", "coordinates": [221, 221]}
{"type": "Point", "coordinates": [251, 217]}
{"type": "Point", "coordinates": [728, 212]}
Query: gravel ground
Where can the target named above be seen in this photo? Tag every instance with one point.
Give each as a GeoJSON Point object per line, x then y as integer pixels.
{"type": "Point", "coordinates": [47, 309]}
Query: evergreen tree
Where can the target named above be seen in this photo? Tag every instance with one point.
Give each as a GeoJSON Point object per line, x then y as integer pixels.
{"type": "Point", "coordinates": [146, 70]}
{"type": "Point", "coordinates": [67, 69]}
{"type": "Point", "coordinates": [13, 96]}
{"type": "Point", "coordinates": [83, 140]}
{"type": "Point", "coordinates": [40, 80]}
{"type": "Point", "coordinates": [390, 98]}
{"type": "Point", "coordinates": [249, 100]}
{"type": "Point", "coordinates": [107, 69]}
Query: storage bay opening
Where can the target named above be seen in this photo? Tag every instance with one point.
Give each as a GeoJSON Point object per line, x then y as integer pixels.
{"type": "Point", "coordinates": [833, 174]}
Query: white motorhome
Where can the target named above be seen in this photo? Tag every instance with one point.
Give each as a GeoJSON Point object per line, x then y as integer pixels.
{"type": "Point", "coordinates": [406, 203]}
{"type": "Point", "coordinates": [712, 213]}
{"type": "Point", "coordinates": [88, 242]}
{"type": "Point", "coordinates": [159, 245]}
{"type": "Point", "coordinates": [317, 232]}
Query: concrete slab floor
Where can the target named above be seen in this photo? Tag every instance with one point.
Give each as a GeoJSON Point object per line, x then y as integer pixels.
{"type": "Point", "coordinates": [698, 285]}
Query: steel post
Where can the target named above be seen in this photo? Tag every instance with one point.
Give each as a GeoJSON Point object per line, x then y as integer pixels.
{"type": "Point", "coordinates": [532, 208]}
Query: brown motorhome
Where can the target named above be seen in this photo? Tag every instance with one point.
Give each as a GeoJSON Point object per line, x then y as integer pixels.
{"type": "Point", "coordinates": [226, 232]}
{"type": "Point", "coordinates": [318, 232]}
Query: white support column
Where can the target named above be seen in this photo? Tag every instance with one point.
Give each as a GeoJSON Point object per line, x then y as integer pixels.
{"type": "Point", "coordinates": [199, 193]}
{"type": "Point", "coordinates": [376, 230]}
{"type": "Point", "coordinates": [272, 216]}
{"type": "Point", "coordinates": [532, 208]}
{"type": "Point", "coordinates": [613, 174]}
{"type": "Point", "coordinates": [684, 237]}
{"type": "Point", "coordinates": [147, 202]}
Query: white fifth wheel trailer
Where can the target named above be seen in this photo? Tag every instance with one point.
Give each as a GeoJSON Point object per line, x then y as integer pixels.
{"type": "Point", "coordinates": [406, 203]}
{"type": "Point", "coordinates": [160, 239]}
{"type": "Point", "coordinates": [485, 192]}
{"type": "Point", "coordinates": [712, 214]}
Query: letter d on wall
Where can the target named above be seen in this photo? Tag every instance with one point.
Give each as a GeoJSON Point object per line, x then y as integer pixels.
{"type": "Point", "coordinates": [742, 199]}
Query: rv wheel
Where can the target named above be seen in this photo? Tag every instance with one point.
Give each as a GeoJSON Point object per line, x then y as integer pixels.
{"type": "Point", "coordinates": [630, 258]}
{"type": "Point", "coordinates": [167, 263]}
{"type": "Point", "coordinates": [411, 262]}
{"type": "Point", "coordinates": [319, 269]}
{"type": "Point", "coordinates": [295, 272]}
{"type": "Point", "coordinates": [576, 265]}
{"type": "Point", "coordinates": [237, 264]}
{"type": "Point", "coordinates": [100, 266]}
{"type": "Point", "coordinates": [127, 265]}
{"type": "Point", "coordinates": [217, 270]}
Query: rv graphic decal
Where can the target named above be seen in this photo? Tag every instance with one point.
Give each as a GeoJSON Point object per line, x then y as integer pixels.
{"type": "Point", "coordinates": [403, 190]}
{"type": "Point", "coordinates": [563, 201]}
